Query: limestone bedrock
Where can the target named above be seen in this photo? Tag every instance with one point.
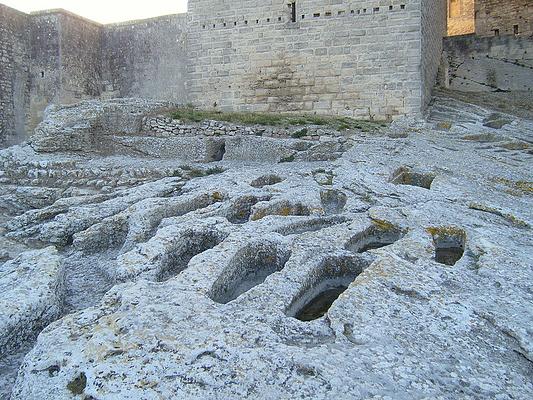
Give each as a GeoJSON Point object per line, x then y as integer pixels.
{"type": "Point", "coordinates": [170, 278]}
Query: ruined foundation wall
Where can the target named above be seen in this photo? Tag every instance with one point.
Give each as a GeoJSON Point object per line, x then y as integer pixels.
{"type": "Point", "coordinates": [477, 64]}
{"type": "Point", "coordinates": [14, 74]}
{"type": "Point", "coordinates": [359, 58]}
{"type": "Point", "coordinates": [433, 26]}
{"type": "Point", "coordinates": [496, 17]}
{"type": "Point", "coordinates": [146, 59]}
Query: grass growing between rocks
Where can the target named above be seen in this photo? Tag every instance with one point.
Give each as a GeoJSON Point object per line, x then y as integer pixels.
{"type": "Point", "coordinates": [193, 172]}
{"type": "Point", "coordinates": [191, 114]}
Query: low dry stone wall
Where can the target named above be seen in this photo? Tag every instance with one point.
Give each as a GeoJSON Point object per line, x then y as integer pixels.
{"type": "Point", "coordinates": [163, 126]}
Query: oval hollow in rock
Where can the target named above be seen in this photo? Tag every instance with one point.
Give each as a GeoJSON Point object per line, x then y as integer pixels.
{"type": "Point", "coordinates": [310, 225]}
{"type": "Point", "coordinates": [241, 209]}
{"type": "Point", "coordinates": [282, 208]}
{"type": "Point", "coordinates": [266, 180]}
{"type": "Point", "coordinates": [374, 237]}
{"type": "Point", "coordinates": [249, 267]}
{"type": "Point", "coordinates": [192, 244]}
{"type": "Point", "coordinates": [449, 244]}
{"type": "Point", "coordinates": [325, 284]}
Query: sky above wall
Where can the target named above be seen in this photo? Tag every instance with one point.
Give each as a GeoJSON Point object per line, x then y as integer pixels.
{"type": "Point", "coordinates": [105, 11]}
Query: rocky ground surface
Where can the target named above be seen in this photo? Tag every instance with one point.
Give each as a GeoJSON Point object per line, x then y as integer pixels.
{"type": "Point", "coordinates": [386, 265]}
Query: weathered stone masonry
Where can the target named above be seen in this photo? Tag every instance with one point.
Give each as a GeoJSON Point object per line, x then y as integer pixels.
{"type": "Point", "coordinates": [14, 73]}
{"type": "Point", "coordinates": [367, 59]}
{"type": "Point", "coordinates": [509, 17]}
{"type": "Point", "coordinates": [461, 17]}
{"type": "Point", "coordinates": [490, 46]}
{"type": "Point", "coordinates": [65, 60]}
{"type": "Point", "coordinates": [479, 64]}
{"type": "Point", "coordinates": [361, 59]}
{"type": "Point", "coordinates": [490, 17]}
{"type": "Point", "coordinates": [146, 58]}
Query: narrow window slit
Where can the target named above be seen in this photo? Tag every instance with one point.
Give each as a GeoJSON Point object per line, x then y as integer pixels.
{"type": "Point", "coordinates": [293, 11]}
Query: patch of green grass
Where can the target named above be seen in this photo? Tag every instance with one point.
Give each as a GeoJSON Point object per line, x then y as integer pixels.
{"type": "Point", "coordinates": [287, 159]}
{"type": "Point", "coordinates": [197, 172]}
{"type": "Point", "coordinates": [191, 114]}
{"type": "Point", "coordinates": [299, 134]}
{"type": "Point", "coordinates": [214, 171]}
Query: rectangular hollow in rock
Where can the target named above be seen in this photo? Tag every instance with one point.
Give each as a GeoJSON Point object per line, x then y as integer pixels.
{"type": "Point", "coordinates": [449, 244]}
{"type": "Point", "coordinates": [406, 176]}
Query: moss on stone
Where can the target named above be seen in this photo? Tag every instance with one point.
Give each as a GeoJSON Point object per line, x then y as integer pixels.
{"type": "Point", "coordinates": [508, 217]}
{"type": "Point", "coordinates": [516, 187]}
{"type": "Point", "coordinates": [482, 138]}
{"type": "Point", "coordinates": [446, 231]}
{"type": "Point", "coordinates": [383, 225]}
{"type": "Point", "coordinates": [197, 172]}
{"type": "Point", "coordinates": [299, 134]}
{"type": "Point", "coordinates": [77, 385]}
{"type": "Point", "coordinates": [515, 146]}
{"type": "Point", "coordinates": [445, 125]}
{"type": "Point", "coordinates": [217, 196]}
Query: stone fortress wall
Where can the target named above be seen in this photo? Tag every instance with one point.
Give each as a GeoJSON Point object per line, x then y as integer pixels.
{"type": "Point", "coordinates": [509, 17]}
{"type": "Point", "coordinates": [433, 14]}
{"type": "Point", "coordinates": [494, 46]}
{"type": "Point", "coordinates": [475, 64]}
{"type": "Point", "coordinates": [65, 60]}
{"type": "Point", "coordinates": [14, 73]}
{"type": "Point", "coordinates": [461, 17]}
{"type": "Point", "coordinates": [146, 58]}
{"type": "Point", "coordinates": [363, 58]}
{"type": "Point", "coordinates": [490, 17]}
